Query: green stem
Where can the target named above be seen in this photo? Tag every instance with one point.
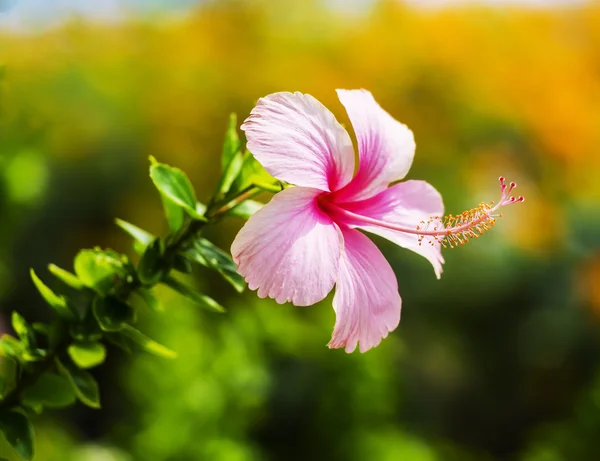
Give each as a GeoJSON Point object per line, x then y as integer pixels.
{"type": "Point", "coordinates": [270, 187]}
{"type": "Point", "coordinates": [246, 194]}
{"type": "Point", "coordinates": [223, 208]}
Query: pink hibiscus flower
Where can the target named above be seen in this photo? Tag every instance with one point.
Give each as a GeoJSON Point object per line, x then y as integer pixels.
{"type": "Point", "coordinates": [302, 243]}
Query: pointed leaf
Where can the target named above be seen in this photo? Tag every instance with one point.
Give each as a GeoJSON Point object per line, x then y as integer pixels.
{"type": "Point", "coordinates": [18, 432]}
{"type": "Point", "coordinates": [232, 143]}
{"type": "Point", "coordinates": [50, 390]}
{"type": "Point", "coordinates": [190, 293]}
{"type": "Point", "coordinates": [231, 173]}
{"type": "Point", "coordinates": [10, 346]}
{"type": "Point", "coordinates": [83, 383]}
{"type": "Point", "coordinates": [232, 158]}
{"type": "Point", "coordinates": [87, 355]}
{"type": "Point", "coordinates": [147, 344]}
{"type": "Point", "coordinates": [66, 276]}
{"type": "Point", "coordinates": [204, 252]}
{"type": "Point", "coordinates": [58, 303]}
{"type": "Point", "coordinates": [175, 186]}
{"type": "Point", "coordinates": [252, 173]}
{"type": "Point", "coordinates": [140, 236]}
{"type": "Point", "coordinates": [23, 330]}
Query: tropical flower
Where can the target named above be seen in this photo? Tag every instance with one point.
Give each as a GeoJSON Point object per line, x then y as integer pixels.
{"type": "Point", "coordinates": [305, 241]}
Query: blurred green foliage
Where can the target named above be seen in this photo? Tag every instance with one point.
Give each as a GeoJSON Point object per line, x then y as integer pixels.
{"type": "Point", "coordinates": [44, 365]}
{"type": "Point", "coordinates": [497, 360]}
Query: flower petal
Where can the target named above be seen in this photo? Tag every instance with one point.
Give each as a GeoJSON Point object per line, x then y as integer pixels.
{"type": "Point", "coordinates": [405, 204]}
{"type": "Point", "coordinates": [298, 140]}
{"type": "Point", "coordinates": [386, 147]}
{"type": "Point", "coordinates": [289, 250]}
{"type": "Point", "coordinates": [366, 302]}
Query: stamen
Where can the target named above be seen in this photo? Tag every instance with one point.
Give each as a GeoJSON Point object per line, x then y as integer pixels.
{"type": "Point", "coordinates": [450, 231]}
{"type": "Point", "coordinates": [470, 224]}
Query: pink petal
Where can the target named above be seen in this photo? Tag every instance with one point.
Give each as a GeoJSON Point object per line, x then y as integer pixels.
{"type": "Point", "coordinates": [366, 301]}
{"type": "Point", "coordinates": [299, 141]}
{"type": "Point", "coordinates": [289, 250]}
{"type": "Point", "coordinates": [386, 147]}
{"type": "Point", "coordinates": [405, 204]}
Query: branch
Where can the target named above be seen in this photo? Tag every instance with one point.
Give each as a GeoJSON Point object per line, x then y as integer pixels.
{"type": "Point", "coordinates": [45, 364]}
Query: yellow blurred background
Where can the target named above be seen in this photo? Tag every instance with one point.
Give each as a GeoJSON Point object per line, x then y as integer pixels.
{"type": "Point", "coordinates": [498, 360]}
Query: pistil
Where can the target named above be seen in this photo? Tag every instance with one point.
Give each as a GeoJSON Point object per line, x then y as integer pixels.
{"type": "Point", "coordinates": [449, 231]}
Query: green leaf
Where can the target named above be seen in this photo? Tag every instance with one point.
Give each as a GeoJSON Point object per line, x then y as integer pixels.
{"type": "Point", "coordinates": [20, 325]}
{"type": "Point", "coordinates": [149, 299]}
{"type": "Point", "coordinates": [151, 268]}
{"type": "Point", "coordinates": [232, 143]}
{"type": "Point", "coordinates": [231, 173]}
{"type": "Point", "coordinates": [66, 276]}
{"type": "Point", "coordinates": [34, 355]}
{"type": "Point", "coordinates": [50, 390]}
{"type": "Point", "coordinates": [174, 214]}
{"type": "Point", "coordinates": [87, 355]}
{"type": "Point", "coordinates": [141, 238]}
{"type": "Point", "coordinates": [232, 158]}
{"type": "Point", "coordinates": [175, 186]}
{"type": "Point", "coordinates": [10, 346]}
{"type": "Point", "coordinates": [112, 314]}
{"type": "Point", "coordinates": [41, 328]}
{"type": "Point", "coordinates": [252, 173]}
{"type": "Point", "coordinates": [18, 432]}
{"type": "Point", "coordinates": [202, 300]}
{"type": "Point", "coordinates": [83, 384]}
{"type": "Point", "coordinates": [246, 209]}
{"type": "Point", "coordinates": [58, 303]}
{"type": "Point", "coordinates": [99, 269]}
{"type": "Point", "coordinates": [207, 254]}
{"type": "Point", "coordinates": [8, 374]}
{"type": "Point", "coordinates": [23, 330]}
{"type": "Point", "coordinates": [147, 344]}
